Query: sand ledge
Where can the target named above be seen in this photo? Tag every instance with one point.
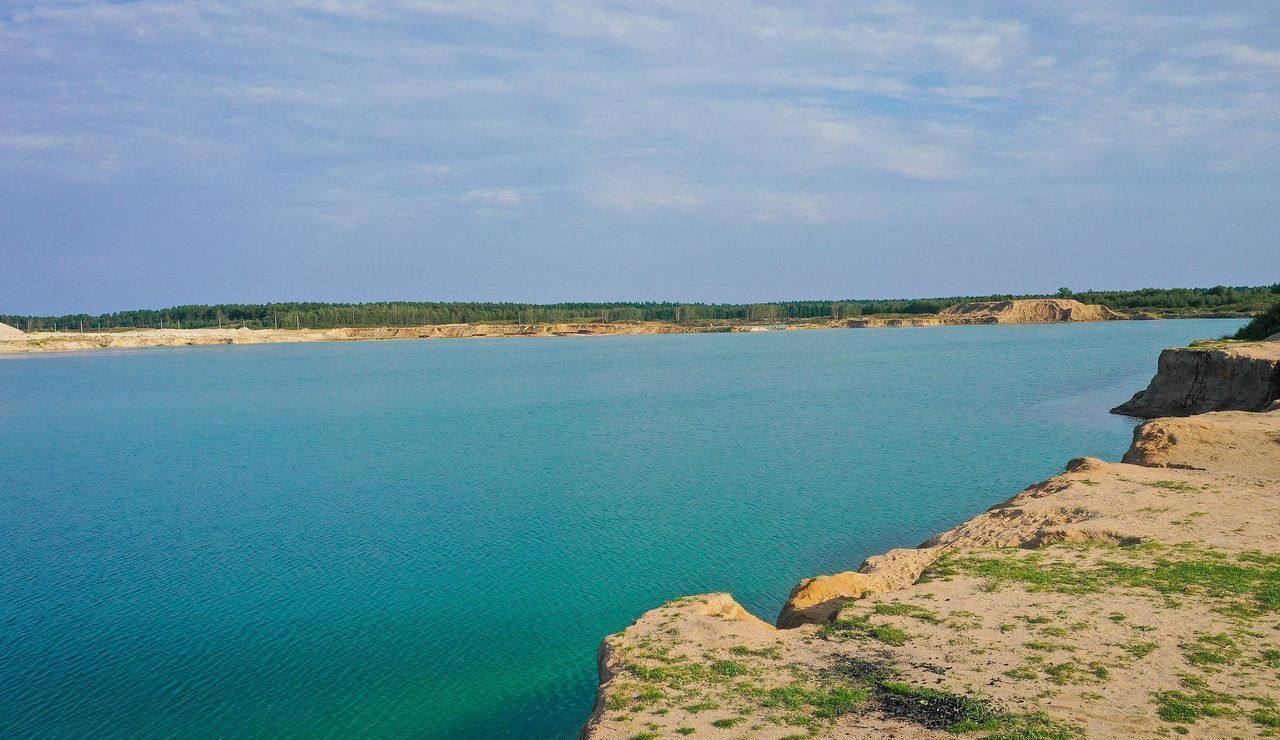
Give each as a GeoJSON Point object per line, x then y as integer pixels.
{"type": "Point", "coordinates": [1114, 600]}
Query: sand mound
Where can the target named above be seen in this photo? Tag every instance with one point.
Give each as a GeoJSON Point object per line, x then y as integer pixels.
{"type": "Point", "coordinates": [1031, 311]}
{"type": "Point", "coordinates": [8, 332]}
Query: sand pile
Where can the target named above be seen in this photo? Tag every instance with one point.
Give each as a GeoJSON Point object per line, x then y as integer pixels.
{"type": "Point", "coordinates": [1031, 311]}
{"type": "Point", "coordinates": [8, 332]}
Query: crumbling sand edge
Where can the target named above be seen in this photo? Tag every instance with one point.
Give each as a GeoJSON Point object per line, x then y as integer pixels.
{"type": "Point", "coordinates": [1228, 461]}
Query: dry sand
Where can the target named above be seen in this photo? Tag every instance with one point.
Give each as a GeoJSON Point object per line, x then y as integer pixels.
{"type": "Point", "coordinates": [1135, 599]}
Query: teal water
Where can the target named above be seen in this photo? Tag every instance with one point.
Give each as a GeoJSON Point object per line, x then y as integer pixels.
{"type": "Point", "coordinates": [429, 539]}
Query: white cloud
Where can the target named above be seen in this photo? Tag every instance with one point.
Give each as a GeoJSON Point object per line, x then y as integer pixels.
{"type": "Point", "coordinates": [502, 197]}
{"type": "Point", "coordinates": [714, 107]}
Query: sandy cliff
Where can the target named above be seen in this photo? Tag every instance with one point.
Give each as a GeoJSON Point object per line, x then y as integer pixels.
{"type": "Point", "coordinates": [8, 332]}
{"type": "Point", "coordinates": [1027, 311]}
{"type": "Point", "coordinates": [1134, 599]}
{"type": "Point", "coordinates": [1036, 311]}
{"type": "Point", "coordinates": [1193, 380]}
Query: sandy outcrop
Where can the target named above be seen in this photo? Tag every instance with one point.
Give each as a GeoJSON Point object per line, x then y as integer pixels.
{"type": "Point", "coordinates": [1215, 377]}
{"type": "Point", "coordinates": [1224, 440]}
{"type": "Point", "coordinates": [1024, 311]}
{"type": "Point", "coordinates": [1131, 599]}
{"type": "Point", "coordinates": [8, 332]}
{"type": "Point", "coordinates": [1031, 311]}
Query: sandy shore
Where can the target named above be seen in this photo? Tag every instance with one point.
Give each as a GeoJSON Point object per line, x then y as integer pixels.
{"type": "Point", "coordinates": [1133, 599]}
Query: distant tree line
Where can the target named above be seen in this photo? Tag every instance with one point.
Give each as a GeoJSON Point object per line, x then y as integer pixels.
{"type": "Point", "coordinates": [1221, 300]}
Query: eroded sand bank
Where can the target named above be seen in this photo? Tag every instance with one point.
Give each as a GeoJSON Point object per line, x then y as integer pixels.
{"type": "Point", "coordinates": [1133, 599]}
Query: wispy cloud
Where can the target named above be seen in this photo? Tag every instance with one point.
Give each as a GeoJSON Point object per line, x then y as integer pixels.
{"type": "Point", "coordinates": [759, 112]}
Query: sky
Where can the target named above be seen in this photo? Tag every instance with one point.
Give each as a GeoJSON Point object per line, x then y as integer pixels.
{"type": "Point", "coordinates": [161, 153]}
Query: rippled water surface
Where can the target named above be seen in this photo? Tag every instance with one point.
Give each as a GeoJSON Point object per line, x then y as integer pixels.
{"type": "Point", "coordinates": [429, 539]}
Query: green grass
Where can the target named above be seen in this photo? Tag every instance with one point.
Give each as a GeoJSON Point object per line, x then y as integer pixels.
{"type": "Point", "coordinates": [1139, 649]}
{"type": "Point", "coordinates": [1185, 707]}
{"type": "Point", "coordinates": [855, 685]}
{"type": "Point", "coordinates": [1210, 651]}
{"type": "Point", "coordinates": [1267, 717]}
{"type": "Point", "coordinates": [1035, 572]}
{"type": "Point", "coordinates": [728, 668]}
{"type": "Point", "coordinates": [860, 626]}
{"type": "Point", "coordinates": [1248, 585]}
{"type": "Point", "coordinates": [907, 610]}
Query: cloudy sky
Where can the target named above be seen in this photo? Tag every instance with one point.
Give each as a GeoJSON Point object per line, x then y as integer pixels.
{"type": "Point", "coordinates": [154, 153]}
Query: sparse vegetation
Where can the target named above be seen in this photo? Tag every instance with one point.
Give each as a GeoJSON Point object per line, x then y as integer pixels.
{"type": "Point", "coordinates": [1248, 585]}
{"type": "Point", "coordinates": [1262, 326]}
{"type": "Point", "coordinates": [859, 626]}
{"type": "Point", "coordinates": [906, 610]}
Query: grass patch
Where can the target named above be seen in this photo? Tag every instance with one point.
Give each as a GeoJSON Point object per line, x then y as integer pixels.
{"type": "Point", "coordinates": [1185, 707]}
{"type": "Point", "coordinates": [1035, 572]}
{"type": "Point", "coordinates": [955, 713]}
{"type": "Point", "coordinates": [1267, 717]}
{"type": "Point", "coordinates": [728, 668]}
{"type": "Point", "coordinates": [1139, 649]}
{"type": "Point", "coordinates": [826, 703]}
{"type": "Point", "coordinates": [1209, 651]}
{"type": "Point", "coordinates": [1249, 585]}
{"type": "Point", "coordinates": [907, 610]}
{"type": "Point", "coordinates": [859, 627]}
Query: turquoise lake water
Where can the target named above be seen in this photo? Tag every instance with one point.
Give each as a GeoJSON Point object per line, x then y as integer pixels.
{"type": "Point", "coordinates": [429, 539]}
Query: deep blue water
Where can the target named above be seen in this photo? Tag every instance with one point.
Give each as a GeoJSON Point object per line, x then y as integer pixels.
{"type": "Point", "coordinates": [429, 539]}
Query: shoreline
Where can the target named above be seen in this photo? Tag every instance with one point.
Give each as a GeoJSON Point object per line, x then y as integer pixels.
{"type": "Point", "coordinates": [975, 314]}
{"type": "Point", "coordinates": [1096, 603]}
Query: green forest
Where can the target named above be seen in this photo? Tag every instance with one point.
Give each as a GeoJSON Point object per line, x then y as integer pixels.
{"type": "Point", "coordinates": [1170, 302]}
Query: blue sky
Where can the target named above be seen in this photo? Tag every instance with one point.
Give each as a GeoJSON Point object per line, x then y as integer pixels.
{"type": "Point", "coordinates": [154, 153]}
